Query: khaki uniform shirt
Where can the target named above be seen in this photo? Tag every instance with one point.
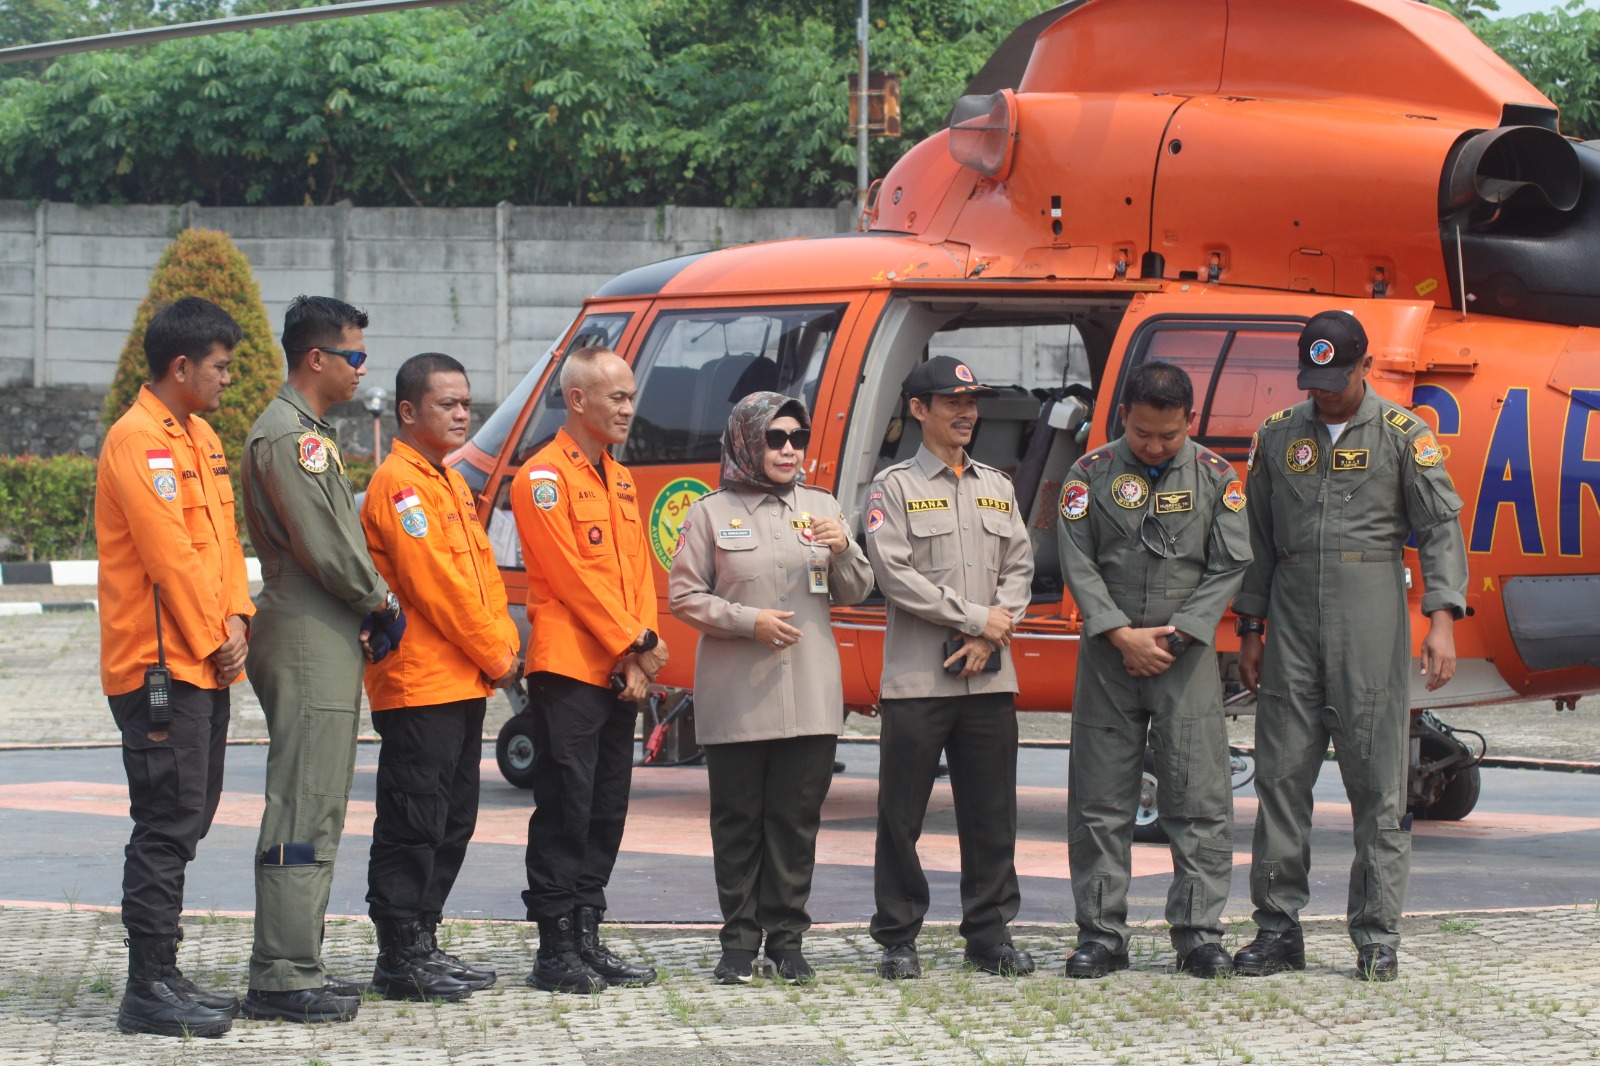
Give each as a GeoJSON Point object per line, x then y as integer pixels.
{"type": "Point", "coordinates": [1359, 497]}
{"type": "Point", "coordinates": [945, 549]}
{"type": "Point", "coordinates": [741, 551]}
{"type": "Point", "coordinates": [1114, 521]}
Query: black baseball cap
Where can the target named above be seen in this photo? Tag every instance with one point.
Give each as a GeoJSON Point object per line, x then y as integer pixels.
{"type": "Point", "coordinates": [1330, 347]}
{"type": "Point", "coordinates": [944, 375]}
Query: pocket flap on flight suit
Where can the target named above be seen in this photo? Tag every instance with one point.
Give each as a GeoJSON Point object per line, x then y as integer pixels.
{"type": "Point", "coordinates": [744, 543]}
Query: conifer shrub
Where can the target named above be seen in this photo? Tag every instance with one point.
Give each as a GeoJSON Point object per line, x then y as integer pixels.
{"type": "Point", "coordinates": [206, 263]}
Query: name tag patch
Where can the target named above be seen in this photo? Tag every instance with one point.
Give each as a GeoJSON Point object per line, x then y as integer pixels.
{"type": "Point", "coordinates": [730, 534]}
{"type": "Point", "coordinates": [912, 506]}
{"type": "Point", "coordinates": [1350, 458]}
{"type": "Point", "coordinates": [1003, 506]}
{"type": "Point", "coordinates": [1173, 502]}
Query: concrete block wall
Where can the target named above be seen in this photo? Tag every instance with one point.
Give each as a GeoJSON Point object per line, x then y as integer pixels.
{"type": "Point", "coordinates": [492, 286]}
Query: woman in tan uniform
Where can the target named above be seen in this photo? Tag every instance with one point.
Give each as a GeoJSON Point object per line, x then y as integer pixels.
{"type": "Point", "coordinates": [758, 562]}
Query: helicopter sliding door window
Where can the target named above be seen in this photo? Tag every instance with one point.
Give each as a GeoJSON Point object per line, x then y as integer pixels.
{"type": "Point", "coordinates": [695, 365]}
{"type": "Point", "coordinates": [595, 331]}
{"type": "Point", "coordinates": [1242, 371]}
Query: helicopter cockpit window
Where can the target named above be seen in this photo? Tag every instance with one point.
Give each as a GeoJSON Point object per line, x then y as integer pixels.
{"type": "Point", "coordinates": [1242, 372]}
{"type": "Point", "coordinates": [695, 365]}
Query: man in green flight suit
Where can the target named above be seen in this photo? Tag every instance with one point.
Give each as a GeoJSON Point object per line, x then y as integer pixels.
{"type": "Point", "coordinates": [1153, 544]}
{"type": "Point", "coordinates": [1336, 485]}
{"type": "Point", "coordinates": [323, 608]}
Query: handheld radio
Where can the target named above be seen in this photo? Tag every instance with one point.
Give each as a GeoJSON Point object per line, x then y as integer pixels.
{"type": "Point", "coordinates": [157, 678]}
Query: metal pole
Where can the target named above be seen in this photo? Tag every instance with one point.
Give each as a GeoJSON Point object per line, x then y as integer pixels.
{"type": "Point", "coordinates": [51, 49]}
{"type": "Point", "coordinates": [862, 113]}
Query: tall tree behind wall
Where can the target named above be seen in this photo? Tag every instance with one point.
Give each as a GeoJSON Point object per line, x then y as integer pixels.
{"type": "Point", "coordinates": [205, 263]}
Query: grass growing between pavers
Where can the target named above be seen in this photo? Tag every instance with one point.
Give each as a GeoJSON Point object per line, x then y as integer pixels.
{"type": "Point", "coordinates": [1481, 988]}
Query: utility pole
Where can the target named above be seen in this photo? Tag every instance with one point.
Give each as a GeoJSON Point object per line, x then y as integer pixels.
{"type": "Point", "coordinates": [863, 112]}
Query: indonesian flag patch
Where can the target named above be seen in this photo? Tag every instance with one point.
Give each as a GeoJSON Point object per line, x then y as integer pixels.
{"type": "Point", "coordinates": [159, 459]}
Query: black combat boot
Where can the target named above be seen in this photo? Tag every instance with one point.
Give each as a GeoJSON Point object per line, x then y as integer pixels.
{"type": "Point", "coordinates": [473, 977]}
{"type": "Point", "coordinates": [152, 1005]}
{"type": "Point", "coordinates": [405, 970]}
{"type": "Point", "coordinates": [601, 959]}
{"type": "Point", "coordinates": [224, 1002]}
{"type": "Point", "coordinates": [557, 967]}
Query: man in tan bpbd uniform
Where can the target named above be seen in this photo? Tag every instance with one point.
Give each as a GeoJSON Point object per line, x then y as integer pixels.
{"type": "Point", "coordinates": [953, 558]}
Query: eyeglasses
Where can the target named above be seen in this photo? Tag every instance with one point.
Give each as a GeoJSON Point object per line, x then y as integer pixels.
{"type": "Point", "coordinates": [776, 438]}
{"type": "Point", "coordinates": [1163, 538]}
{"type": "Point", "coordinates": [355, 357]}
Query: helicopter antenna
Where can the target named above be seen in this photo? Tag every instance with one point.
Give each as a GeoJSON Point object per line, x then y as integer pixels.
{"type": "Point", "coordinates": [1461, 273]}
{"type": "Point", "coordinates": [51, 49]}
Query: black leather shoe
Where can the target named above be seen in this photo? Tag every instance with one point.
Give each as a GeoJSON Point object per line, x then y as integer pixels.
{"type": "Point", "coordinates": [616, 970]}
{"type": "Point", "coordinates": [1093, 959]}
{"type": "Point", "coordinates": [1272, 951]}
{"type": "Point", "coordinates": [1377, 962]}
{"type": "Point", "coordinates": [1002, 960]}
{"type": "Point", "coordinates": [338, 986]}
{"type": "Point", "coordinates": [304, 1005]}
{"type": "Point", "coordinates": [736, 967]}
{"type": "Point", "coordinates": [900, 962]}
{"type": "Point", "coordinates": [1207, 960]}
{"type": "Point", "coordinates": [790, 965]}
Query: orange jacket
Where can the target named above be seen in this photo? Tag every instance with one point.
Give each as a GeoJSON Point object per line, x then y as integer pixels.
{"type": "Point", "coordinates": [589, 588]}
{"type": "Point", "coordinates": [163, 512]}
{"type": "Point", "coordinates": [423, 532]}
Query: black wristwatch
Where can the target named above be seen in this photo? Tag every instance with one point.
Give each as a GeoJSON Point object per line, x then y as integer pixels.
{"type": "Point", "coordinates": [1177, 642]}
{"type": "Point", "coordinates": [391, 608]}
{"type": "Point", "coordinates": [1245, 624]}
{"type": "Point", "coordinates": [645, 641]}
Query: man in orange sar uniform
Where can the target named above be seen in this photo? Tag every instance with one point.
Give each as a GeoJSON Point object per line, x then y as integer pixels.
{"type": "Point", "coordinates": [428, 696]}
{"type": "Point", "coordinates": [593, 652]}
{"type": "Point", "coordinates": [164, 515]}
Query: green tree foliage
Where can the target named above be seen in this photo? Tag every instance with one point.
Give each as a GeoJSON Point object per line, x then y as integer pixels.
{"type": "Point", "coordinates": [49, 506]}
{"type": "Point", "coordinates": [1559, 51]}
{"type": "Point", "coordinates": [205, 263]}
{"type": "Point", "coordinates": [715, 102]}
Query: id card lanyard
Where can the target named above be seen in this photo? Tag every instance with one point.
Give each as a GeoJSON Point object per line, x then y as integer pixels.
{"type": "Point", "coordinates": [817, 568]}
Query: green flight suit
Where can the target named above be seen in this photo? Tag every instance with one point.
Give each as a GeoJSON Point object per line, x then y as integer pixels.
{"type": "Point", "coordinates": [305, 663]}
{"type": "Point", "coordinates": [1140, 554]}
{"type": "Point", "coordinates": [1328, 523]}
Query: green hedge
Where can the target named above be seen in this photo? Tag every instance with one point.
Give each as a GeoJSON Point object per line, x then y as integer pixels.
{"type": "Point", "coordinates": [47, 507]}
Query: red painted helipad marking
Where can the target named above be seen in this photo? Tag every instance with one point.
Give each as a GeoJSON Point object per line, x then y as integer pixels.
{"type": "Point", "coordinates": [668, 817]}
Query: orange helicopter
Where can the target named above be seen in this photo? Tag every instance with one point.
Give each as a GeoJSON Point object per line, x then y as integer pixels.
{"type": "Point", "coordinates": [1188, 180]}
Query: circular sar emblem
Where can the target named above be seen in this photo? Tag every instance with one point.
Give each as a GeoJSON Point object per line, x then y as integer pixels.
{"type": "Point", "coordinates": [1074, 500]}
{"type": "Point", "coordinates": [1130, 491]}
{"type": "Point", "coordinates": [963, 373]}
{"type": "Point", "coordinates": [874, 519]}
{"type": "Point", "coordinates": [671, 507]}
{"type": "Point", "coordinates": [1321, 352]}
{"type": "Point", "coordinates": [313, 453]}
{"type": "Point", "coordinates": [1302, 455]}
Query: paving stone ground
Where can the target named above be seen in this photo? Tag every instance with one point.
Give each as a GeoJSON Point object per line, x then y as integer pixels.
{"type": "Point", "coordinates": [1488, 988]}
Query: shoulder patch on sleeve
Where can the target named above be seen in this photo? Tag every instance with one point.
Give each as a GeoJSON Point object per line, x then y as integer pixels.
{"type": "Point", "coordinates": [1233, 497]}
{"type": "Point", "coordinates": [313, 452]}
{"type": "Point", "coordinates": [1427, 451]}
{"type": "Point", "coordinates": [1074, 500]}
{"type": "Point", "coordinates": [1399, 420]}
{"type": "Point", "coordinates": [1255, 443]}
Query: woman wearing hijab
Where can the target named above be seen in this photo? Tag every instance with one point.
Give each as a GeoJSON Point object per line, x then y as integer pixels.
{"type": "Point", "coordinates": [757, 563]}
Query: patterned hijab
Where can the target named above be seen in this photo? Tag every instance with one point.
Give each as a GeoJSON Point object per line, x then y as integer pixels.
{"type": "Point", "coordinates": [744, 444]}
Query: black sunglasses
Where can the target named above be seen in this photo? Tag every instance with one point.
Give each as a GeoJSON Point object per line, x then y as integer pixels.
{"type": "Point", "coordinates": [798, 437]}
{"type": "Point", "coordinates": [355, 357]}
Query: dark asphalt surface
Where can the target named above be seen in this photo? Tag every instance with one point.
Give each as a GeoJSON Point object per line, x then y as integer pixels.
{"type": "Point", "coordinates": [1532, 842]}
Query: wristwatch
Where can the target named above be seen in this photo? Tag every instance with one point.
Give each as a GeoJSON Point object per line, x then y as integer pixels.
{"type": "Point", "coordinates": [645, 641]}
{"type": "Point", "coordinates": [391, 608]}
{"type": "Point", "coordinates": [1245, 624]}
{"type": "Point", "coordinates": [1177, 642]}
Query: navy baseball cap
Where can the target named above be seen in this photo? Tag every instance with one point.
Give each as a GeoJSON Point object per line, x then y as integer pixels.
{"type": "Point", "coordinates": [1331, 346]}
{"type": "Point", "coordinates": [944, 375]}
